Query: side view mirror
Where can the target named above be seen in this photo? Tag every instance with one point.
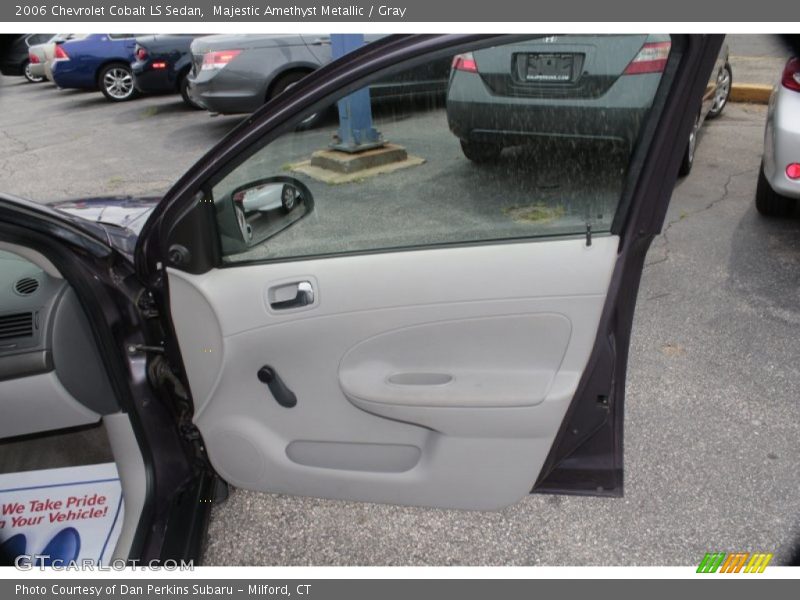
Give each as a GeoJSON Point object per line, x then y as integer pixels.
{"type": "Point", "coordinates": [258, 210]}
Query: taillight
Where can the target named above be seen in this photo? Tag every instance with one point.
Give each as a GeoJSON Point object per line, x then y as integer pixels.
{"type": "Point", "coordinates": [465, 62]}
{"type": "Point", "coordinates": [793, 171]}
{"type": "Point", "coordinates": [159, 65]}
{"type": "Point", "coordinates": [652, 58]}
{"type": "Point", "coordinates": [141, 53]}
{"type": "Point", "coordinates": [791, 74]}
{"type": "Point", "coordinates": [60, 53]}
{"type": "Point", "coordinates": [34, 59]}
{"type": "Point", "coordinates": [217, 60]}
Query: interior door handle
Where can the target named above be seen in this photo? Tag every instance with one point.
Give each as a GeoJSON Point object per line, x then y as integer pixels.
{"type": "Point", "coordinates": [303, 297]}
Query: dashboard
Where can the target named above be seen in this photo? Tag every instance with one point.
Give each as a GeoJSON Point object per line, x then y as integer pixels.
{"type": "Point", "coordinates": [51, 373]}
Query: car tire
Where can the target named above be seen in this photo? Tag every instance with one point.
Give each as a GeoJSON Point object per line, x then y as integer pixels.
{"type": "Point", "coordinates": [481, 153]}
{"type": "Point", "coordinates": [245, 229]}
{"type": "Point", "coordinates": [283, 83]}
{"type": "Point", "coordinates": [26, 71]}
{"type": "Point", "coordinates": [691, 149]}
{"type": "Point", "coordinates": [289, 205]}
{"type": "Point", "coordinates": [116, 82]}
{"type": "Point", "coordinates": [183, 88]}
{"type": "Point", "coordinates": [723, 92]}
{"type": "Point", "coordinates": [768, 202]}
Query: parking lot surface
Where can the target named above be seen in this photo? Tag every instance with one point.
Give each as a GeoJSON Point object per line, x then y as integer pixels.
{"type": "Point", "coordinates": [712, 417]}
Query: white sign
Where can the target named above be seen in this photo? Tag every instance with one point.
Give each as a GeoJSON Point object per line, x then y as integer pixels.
{"type": "Point", "coordinates": [67, 514]}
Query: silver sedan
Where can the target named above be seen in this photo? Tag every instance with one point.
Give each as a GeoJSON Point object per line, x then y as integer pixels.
{"type": "Point", "coordinates": [779, 177]}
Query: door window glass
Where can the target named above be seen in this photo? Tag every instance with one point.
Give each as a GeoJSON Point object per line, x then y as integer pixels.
{"type": "Point", "coordinates": [527, 140]}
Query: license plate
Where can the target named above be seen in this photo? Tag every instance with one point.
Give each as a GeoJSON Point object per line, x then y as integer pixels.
{"type": "Point", "coordinates": [553, 68]}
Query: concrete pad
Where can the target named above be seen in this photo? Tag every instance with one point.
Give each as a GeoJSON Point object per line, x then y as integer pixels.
{"type": "Point", "coordinates": [347, 162]}
{"type": "Point", "coordinates": [334, 178]}
{"type": "Point", "coordinates": [754, 93]}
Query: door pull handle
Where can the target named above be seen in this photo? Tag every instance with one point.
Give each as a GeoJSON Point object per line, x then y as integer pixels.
{"type": "Point", "coordinates": [303, 297]}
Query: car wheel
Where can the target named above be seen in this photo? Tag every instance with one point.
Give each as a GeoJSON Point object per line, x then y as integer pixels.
{"type": "Point", "coordinates": [116, 82]}
{"type": "Point", "coordinates": [481, 152]}
{"type": "Point", "coordinates": [244, 227]}
{"type": "Point", "coordinates": [26, 71]}
{"type": "Point", "coordinates": [183, 87]}
{"type": "Point", "coordinates": [724, 84]}
{"type": "Point", "coordinates": [768, 202]}
{"type": "Point", "coordinates": [691, 146]}
{"type": "Point", "coordinates": [289, 199]}
{"type": "Point", "coordinates": [284, 83]}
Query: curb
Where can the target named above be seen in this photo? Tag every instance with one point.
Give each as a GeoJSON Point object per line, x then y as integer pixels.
{"type": "Point", "coordinates": [753, 93]}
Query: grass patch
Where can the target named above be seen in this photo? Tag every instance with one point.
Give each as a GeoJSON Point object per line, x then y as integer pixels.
{"type": "Point", "coordinates": [534, 213]}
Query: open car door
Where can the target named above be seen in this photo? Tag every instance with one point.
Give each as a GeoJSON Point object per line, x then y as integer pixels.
{"type": "Point", "coordinates": [444, 320]}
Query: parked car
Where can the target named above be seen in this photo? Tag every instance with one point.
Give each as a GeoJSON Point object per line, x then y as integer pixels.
{"type": "Point", "coordinates": [234, 74]}
{"type": "Point", "coordinates": [400, 364]}
{"type": "Point", "coordinates": [98, 61]}
{"type": "Point", "coordinates": [16, 60]}
{"type": "Point", "coordinates": [570, 86]}
{"type": "Point", "coordinates": [42, 55]}
{"type": "Point", "coordinates": [36, 61]}
{"type": "Point", "coordinates": [778, 189]}
{"type": "Point", "coordinates": [162, 64]}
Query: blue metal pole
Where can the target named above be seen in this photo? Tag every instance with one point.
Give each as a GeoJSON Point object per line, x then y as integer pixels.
{"type": "Point", "coordinates": [356, 132]}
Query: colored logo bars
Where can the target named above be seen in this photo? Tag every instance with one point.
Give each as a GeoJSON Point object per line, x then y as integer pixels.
{"type": "Point", "coordinates": [734, 562]}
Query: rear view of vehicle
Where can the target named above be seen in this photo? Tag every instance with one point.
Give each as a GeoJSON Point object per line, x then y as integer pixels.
{"type": "Point", "coordinates": [162, 64]}
{"type": "Point", "coordinates": [234, 74]}
{"type": "Point", "coordinates": [48, 50]}
{"type": "Point", "coordinates": [579, 87]}
{"type": "Point", "coordinates": [779, 177]}
{"type": "Point", "coordinates": [16, 60]}
{"type": "Point", "coordinates": [36, 62]}
{"type": "Point", "coordinates": [99, 61]}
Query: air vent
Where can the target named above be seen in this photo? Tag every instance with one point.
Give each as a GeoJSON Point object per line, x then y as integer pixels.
{"type": "Point", "coordinates": [16, 325]}
{"type": "Point", "coordinates": [26, 286]}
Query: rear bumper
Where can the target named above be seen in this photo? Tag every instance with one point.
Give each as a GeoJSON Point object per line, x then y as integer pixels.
{"type": "Point", "coordinates": [37, 70]}
{"type": "Point", "coordinates": [152, 81]}
{"type": "Point", "coordinates": [226, 102]}
{"type": "Point", "coordinates": [474, 113]}
{"type": "Point", "coordinates": [67, 75]}
{"type": "Point", "coordinates": [782, 141]}
{"type": "Point", "coordinates": [227, 91]}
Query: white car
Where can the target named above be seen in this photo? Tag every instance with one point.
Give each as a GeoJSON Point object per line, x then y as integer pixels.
{"type": "Point", "coordinates": [41, 56]}
{"type": "Point", "coordinates": [779, 177]}
{"type": "Point", "coordinates": [261, 199]}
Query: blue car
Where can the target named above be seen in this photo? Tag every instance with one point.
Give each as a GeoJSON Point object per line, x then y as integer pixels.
{"type": "Point", "coordinates": [100, 61]}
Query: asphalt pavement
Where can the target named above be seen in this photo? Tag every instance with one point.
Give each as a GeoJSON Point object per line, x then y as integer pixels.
{"type": "Point", "coordinates": [712, 416]}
